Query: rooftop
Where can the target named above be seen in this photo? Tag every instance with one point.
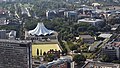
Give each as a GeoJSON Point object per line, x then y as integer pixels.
{"type": "Point", "coordinates": [116, 44]}
{"type": "Point", "coordinates": [113, 28]}
{"type": "Point", "coordinates": [90, 20]}
{"type": "Point", "coordinates": [101, 65]}
{"type": "Point", "coordinates": [86, 36]}
{"type": "Point", "coordinates": [56, 62]}
{"type": "Point", "coordinates": [40, 30]}
{"type": "Point", "coordinates": [73, 12]}
{"type": "Point", "coordinates": [96, 4]}
{"type": "Point", "coordinates": [15, 41]}
{"type": "Point", "coordinates": [105, 35]}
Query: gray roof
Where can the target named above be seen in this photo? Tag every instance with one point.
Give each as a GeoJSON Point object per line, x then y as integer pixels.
{"type": "Point", "coordinates": [101, 64]}
{"type": "Point", "coordinates": [15, 41]}
{"type": "Point", "coordinates": [56, 62]}
{"type": "Point", "coordinates": [86, 36]}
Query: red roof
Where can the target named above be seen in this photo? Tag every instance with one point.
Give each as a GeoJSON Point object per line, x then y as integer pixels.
{"type": "Point", "coordinates": [116, 44]}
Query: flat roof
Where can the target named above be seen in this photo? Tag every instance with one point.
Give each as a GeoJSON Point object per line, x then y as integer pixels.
{"type": "Point", "coordinates": [101, 64]}
{"type": "Point", "coordinates": [105, 35]}
{"type": "Point", "coordinates": [15, 41]}
{"type": "Point", "coordinates": [89, 20]}
{"type": "Point", "coordinates": [116, 44]}
{"type": "Point", "coordinates": [113, 28]}
{"type": "Point", "coordinates": [85, 36]}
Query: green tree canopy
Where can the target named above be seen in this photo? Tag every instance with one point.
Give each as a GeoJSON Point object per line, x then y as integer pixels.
{"type": "Point", "coordinates": [79, 58]}
{"type": "Point", "coordinates": [105, 58]}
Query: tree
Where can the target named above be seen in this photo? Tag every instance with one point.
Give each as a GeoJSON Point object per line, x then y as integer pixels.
{"type": "Point", "coordinates": [37, 52]}
{"type": "Point", "coordinates": [64, 52]}
{"type": "Point", "coordinates": [50, 57]}
{"type": "Point", "coordinates": [40, 51]}
{"type": "Point", "coordinates": [116, 61]}
{"type": "Point", "coordinates": [44, 53]}
{"type": "Point", "coordinates": [92, 28]}
{"type": "Point", "coordinates": [105, 58]}
{"type": "Point", "coordinates": [73, 47]}
{"type": "Point", "coordinates": [79, 58]}
{"type": "Point", "coordinates": [113, 19]}
{"type": "Point", "coordinates": [84, 47]}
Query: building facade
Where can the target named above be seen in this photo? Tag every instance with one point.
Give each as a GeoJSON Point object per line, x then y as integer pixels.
{"type": "Point", "coordinates": [95, 22]}
{"type": "Point", "coordinates": [7, 34]}
{"type": "Point", "coordinates": [15, 54]}
{"type": "Point", "coordinates": [65, 62]}
{"type": "Point", "coordinates": [70, 14]}
{"type": "Point", "coordinates": [51, 14]}
{"type": "Point", "coordinates": [112, 50]}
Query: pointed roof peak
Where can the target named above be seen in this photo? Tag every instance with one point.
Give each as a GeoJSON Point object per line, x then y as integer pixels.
{"type": "Point", "coordinates": [40, 30]}
{"type": "Point", "coordinates": [40, 23]}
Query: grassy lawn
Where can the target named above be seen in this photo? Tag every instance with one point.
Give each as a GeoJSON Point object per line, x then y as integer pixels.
{"type": "Point", "coordinates": [66, 46]}
{"type": "Point", "coordinates": [95, 43]}
{"type": "Point", "coordinates": [88, 55]}
{"type": "Point", "coordinates": [44, 48]}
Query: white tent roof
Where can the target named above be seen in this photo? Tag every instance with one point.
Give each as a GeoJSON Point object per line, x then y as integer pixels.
{"type": "Point", "coordinates": [40, 30]}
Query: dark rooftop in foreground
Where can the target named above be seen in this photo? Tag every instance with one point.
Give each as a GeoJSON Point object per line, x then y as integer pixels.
{"type": "Point", "coordinates": [15, 41]}
{"type": "Point", "coordinates": [101, 65]}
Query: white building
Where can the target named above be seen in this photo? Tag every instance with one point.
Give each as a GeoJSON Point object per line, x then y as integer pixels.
{"type": "Point", "coordinates": [40, 30]}
{"type": "Point", "coordinates": [25, 11]}
{"type": "Point", "coordinates": [104, 35]}
{"type": "Point", "coordinates": [96, 4]}
{"type": "Point", "coordinates": [40, 33]}
{"type": "Point", "coordinates": [50, 14]}
{"type": "Point", "coordinates": [94, 22]}
{"type": "Point", "coordinates": [4, 21]}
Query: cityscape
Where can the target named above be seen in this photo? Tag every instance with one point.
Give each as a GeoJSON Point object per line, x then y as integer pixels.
{"type": "Point", "coordinates": [59, 33]}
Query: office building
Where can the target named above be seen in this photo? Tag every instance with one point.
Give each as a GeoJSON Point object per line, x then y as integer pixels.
{"type": "Point", "coordinates": [63, 62]}
{"type": "Point", "coordinates": [70, 14]}
{"type": "Point", "coordinates": [112, 50]}
{"type": "Point", "coordinates": [7, 34]}
{"type": "Point", "coordinates": [92, 21]}
{"type": "Point", "coordinates": [15, 54]}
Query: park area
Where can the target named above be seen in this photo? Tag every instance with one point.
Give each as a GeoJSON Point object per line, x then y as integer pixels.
{"type": "Point", "coordinates": [44, 48]}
